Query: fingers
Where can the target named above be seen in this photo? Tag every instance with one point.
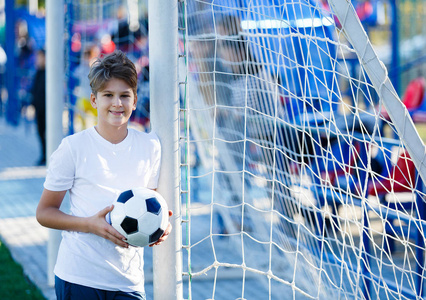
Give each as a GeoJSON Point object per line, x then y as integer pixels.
{"type": "Point", "coordinates": [99, 226]}
{"type": "Point", "coordinates": [115, 237]}
{"type": "Point", "coordinates": [106, 210]}
{"type": "Point", "coordinates": [168, 230]}
{"type": "Point", "coordinates": [164, 236]}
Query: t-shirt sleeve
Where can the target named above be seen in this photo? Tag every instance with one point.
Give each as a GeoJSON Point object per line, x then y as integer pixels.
{"type": "Point", "coordinates": [156, 162]}
{"type": "Point", "coordinates": [61, 170]}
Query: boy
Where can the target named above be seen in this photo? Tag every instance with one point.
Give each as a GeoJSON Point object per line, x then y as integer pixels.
{"type": "Point", "coordinates": [96, 165]}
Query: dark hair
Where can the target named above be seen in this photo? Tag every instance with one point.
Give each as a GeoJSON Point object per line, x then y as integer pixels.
{"type": "Point", "coordinates": [114, 65]}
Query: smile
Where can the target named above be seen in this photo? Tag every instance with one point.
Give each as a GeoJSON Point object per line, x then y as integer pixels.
{"type": "Point", "coordinates": [116, 113]}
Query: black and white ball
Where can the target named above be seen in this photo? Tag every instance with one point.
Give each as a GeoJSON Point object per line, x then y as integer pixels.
{"type": "Point", "coordinates": [141, 215]}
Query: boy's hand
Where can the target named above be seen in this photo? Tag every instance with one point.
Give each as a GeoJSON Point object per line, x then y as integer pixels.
{"type": "Point", "coordinates": [99, 226]}
{"type": "Point", "coordinates": [165, 234]}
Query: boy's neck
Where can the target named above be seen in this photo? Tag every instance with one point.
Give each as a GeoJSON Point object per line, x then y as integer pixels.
{"type": "Point", "coordinates": [113, 135]}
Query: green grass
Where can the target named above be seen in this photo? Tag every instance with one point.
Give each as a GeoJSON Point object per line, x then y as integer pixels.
{"type": "Point", "coordinates": [13, 282]}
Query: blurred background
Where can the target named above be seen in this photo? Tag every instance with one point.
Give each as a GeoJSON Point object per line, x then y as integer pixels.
{"type": "Point", "coordinates": [396, 29]}
{"type": "Point", "coordinates": [92, 28]}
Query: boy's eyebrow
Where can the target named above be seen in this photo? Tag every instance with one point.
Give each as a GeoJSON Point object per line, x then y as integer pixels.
{"type": "Point", "coordinates": [124, 91]}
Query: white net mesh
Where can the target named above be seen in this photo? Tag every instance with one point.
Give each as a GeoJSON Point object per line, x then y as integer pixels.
{"type": "Point", "coordinates": [300, 181]}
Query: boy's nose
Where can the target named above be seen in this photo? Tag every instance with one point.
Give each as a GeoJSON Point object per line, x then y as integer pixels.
{"type": "Point", "coordinates": [117, 101]}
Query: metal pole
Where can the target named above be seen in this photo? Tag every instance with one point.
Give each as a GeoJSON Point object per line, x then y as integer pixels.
{"type": "Point", "coordinates": [54, 102]}
{"type": "Point", "coordinates": [164, 115]}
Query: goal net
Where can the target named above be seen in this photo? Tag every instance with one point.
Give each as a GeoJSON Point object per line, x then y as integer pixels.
{"type": "Point", "coordinates": [303, 167]}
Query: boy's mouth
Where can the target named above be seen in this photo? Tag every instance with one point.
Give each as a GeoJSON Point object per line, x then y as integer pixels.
{"type": "Point", "coordinates": [116, 113]}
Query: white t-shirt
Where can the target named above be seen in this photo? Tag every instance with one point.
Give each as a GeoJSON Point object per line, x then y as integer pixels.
{"type": "Point", "coordinates": [95, 172]}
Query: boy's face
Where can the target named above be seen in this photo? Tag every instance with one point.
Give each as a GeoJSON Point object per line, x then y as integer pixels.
{"type": "Point", "coordinates": [115, 103]}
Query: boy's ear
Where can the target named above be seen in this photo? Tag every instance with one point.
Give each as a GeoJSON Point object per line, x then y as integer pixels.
{"type": "Point", "coordinates": [136, 101]}
{"type": "Point", "coordinates": [93, 101]}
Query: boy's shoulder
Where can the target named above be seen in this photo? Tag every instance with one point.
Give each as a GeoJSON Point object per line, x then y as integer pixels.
{"type": "Point", "coordinates": [78, 136]}
{"type": "Point", "coordinates": [147, 136]}
{"type": "Point", "coordinates": [145, 141]}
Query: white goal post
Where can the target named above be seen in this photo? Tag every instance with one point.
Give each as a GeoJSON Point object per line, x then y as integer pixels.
{"type": "Point", "coordinates": [164, 100]}
{"type": "Point", "coordinates": [54, 104]}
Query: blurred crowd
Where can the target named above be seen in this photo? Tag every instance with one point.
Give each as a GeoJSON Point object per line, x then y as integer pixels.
{"type": "Point", "coordinates": [87, 41]}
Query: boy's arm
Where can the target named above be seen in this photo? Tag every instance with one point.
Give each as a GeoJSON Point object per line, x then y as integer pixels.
{"type": "Point", "coordinates": [49, 215]}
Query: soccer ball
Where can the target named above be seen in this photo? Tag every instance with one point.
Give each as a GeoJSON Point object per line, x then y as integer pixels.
{"type": "Point", "coordinates": [141, 215]}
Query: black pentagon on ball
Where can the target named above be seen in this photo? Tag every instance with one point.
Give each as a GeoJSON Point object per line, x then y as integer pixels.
{"type": "Point", "coordinates": [129, 225]}
{"type": "Point", "coordinates": [156, 235]}
{"type": "Point", "coordinates": [153, 206]}
{"type": "Point", "coordinates": [124, 196]}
